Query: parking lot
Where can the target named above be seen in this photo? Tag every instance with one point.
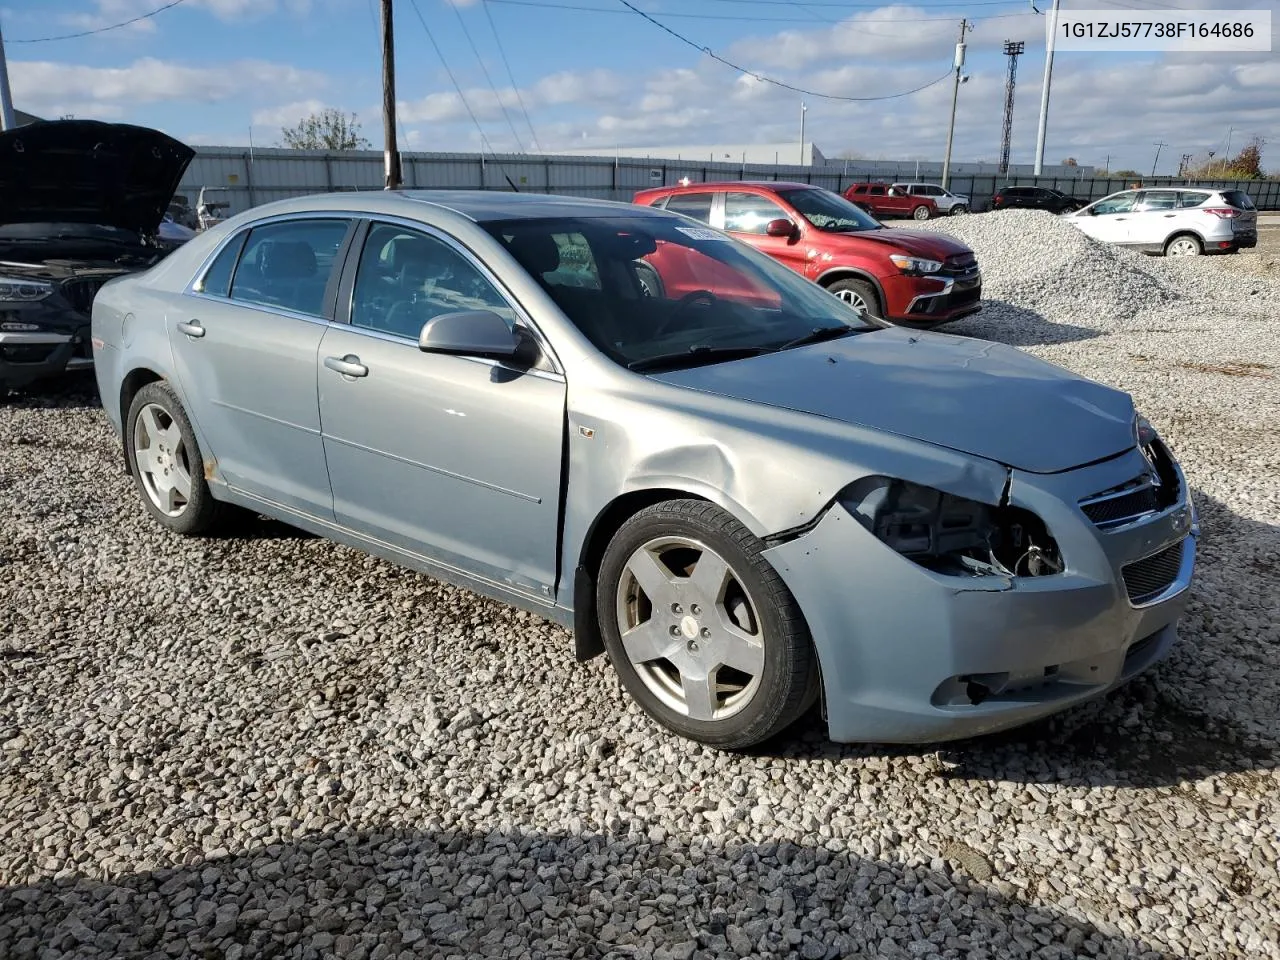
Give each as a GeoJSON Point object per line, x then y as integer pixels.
{"type": "Point", "coordinates": [270, 745]}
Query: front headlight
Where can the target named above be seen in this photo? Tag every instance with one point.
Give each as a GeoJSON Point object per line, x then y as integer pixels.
{"type": "Point", "coordinates": [1144, 434]}
{"type": "Point", "coordinates": [914, 264]}
{"type": "Point", "coordinates": [950, 534]}
{"type": "Point", "coordinates": [20, 290]}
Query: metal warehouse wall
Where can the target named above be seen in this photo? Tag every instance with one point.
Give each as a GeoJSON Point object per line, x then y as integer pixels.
{"type": "Point", "coordinates": [260, 176]}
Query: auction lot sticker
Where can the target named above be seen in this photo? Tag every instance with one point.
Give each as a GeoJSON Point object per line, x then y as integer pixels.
{"type": "Point", "coordinates": [1193, 31]}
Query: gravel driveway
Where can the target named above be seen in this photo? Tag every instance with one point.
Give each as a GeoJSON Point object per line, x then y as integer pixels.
{"type": "Point", "coordinates": [269, 745]}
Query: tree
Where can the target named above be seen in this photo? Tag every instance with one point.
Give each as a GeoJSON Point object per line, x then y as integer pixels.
{"type": "Point", "coordinates": [1070, 162]}
{"type": "Point", "coordinates": [329, 129]}
{"type": "Point", "coordinates": [1246, 165]}
{"type": "Point", "coordinates": [1126, 175]}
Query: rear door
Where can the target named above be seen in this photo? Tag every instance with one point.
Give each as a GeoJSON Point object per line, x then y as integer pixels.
{"type": "Point", "coordinates": [454, 458]}
{"type": "Point", "coordinates": [1156, 216]}
{"type": "Point", "coordinates": [244, 346]}
{"type": "Point", "coordinates": [696, 205]}
{"type": "Point", "coordinates": [1245, 222]}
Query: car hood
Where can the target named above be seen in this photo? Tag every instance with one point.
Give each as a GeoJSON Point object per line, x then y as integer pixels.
{"type": "Point", "coordinates": [917, 243]}
{"type": "Point", "coordinates": [86, 171]}
{"type": "Point", "coordinates": [973, 396]}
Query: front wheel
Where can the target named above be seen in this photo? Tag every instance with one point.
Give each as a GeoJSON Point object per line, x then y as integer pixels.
{"type": "Point", "coordinates": [859, 294]}
{"type": "Point", "coordinates": [958, 209]}
{"type": "Point", "coordinates": [701, 629]}
{"type": "Point", "coordinates": [166, 464]}
{"type": "Point", "coordinates": [920, 213]}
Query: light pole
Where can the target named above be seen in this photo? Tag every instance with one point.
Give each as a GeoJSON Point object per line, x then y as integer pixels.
{"type": "Point", "coordinates": [391, 153]}
{"type": "Point", "coordinates": [955, 96]}
{"type": "Point", "coordinates": [1044, 90]}
{"type": "Point", "coordinates": [803, 110]}
{"type": "Point", "coordinates": [6, 99]}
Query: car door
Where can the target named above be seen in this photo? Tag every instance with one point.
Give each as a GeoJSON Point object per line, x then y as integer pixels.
{"type": "Point", "coordinates": [453, 458]}
{"type": "Point", "coordinates": [244, 347]}
{"type": "Point", "coordinates": [1110, 218]}
{"type": "Point", "coordinates": [1155, 216]}
{"type": "Point", "coordinates": [746, 217]}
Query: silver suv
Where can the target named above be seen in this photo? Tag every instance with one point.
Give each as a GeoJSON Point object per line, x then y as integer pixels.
{"type": "Point", "coordinates": [947, 201]}
{"type": "Point", "coordinates": [1175, 221]}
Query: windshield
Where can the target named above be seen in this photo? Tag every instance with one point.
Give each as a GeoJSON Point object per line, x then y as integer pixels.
{"type": "Point", "coordinates": [67, 231]}
{"type": "Point", "coordinates": [830, 212]}
{"type": "Point", "coordinates": [662, 291]}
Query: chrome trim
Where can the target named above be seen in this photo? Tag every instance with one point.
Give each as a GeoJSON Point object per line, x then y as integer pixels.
{"type": "Point", "coordinates": [263, 416]}
{"type": "Point", "coordinates": [260, 307]}
{"type": "Point", "coordinates": [1180, 583]}
{"type": "Point", "coordinates": [276, 218]}
{"type": "Point", "coordinates": [34, 339]}
{"type": "Point", "coordinates": [949, 283]}
{"type": "Point", "coordinates": [1117, 493]}
{"type": "Point", "coordinates": [79, 363]}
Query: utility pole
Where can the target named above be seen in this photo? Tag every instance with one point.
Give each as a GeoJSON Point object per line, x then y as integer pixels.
{"type": "Point", "coordinates": [391, 154]}
{"type": "Point", "coordinates": [1107, 165]}
{"type": "Point", "coordinates": [955, 96]}
{"type": "Point", "coordinates": [1182, 164]}
{"type": "Point", "coordinates": [803, 110]}
{"type": "Point", "coordinates": [1158, 147]}
{"type": "Point", "coordinates": [1226, 157]}
{"type": "Point", "coordinates": [1044, 90]}
{"type": "Point", "coordinates": [7, 121]}
{"type": "Point", "coordinates": [1012, 49]}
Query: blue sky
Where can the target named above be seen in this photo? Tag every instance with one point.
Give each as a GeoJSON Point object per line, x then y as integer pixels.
{"type": "Point", "coordinates": [210, 71]}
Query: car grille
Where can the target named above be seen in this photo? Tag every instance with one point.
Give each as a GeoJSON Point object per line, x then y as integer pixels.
{"type": "Point", "coordinates": [1146, 579]}
{"type": "Point", "coordinates": [80, 292]}
{"type": "Point", "coordinates": [1121, 504]}
{"type": "Point", "coordinates": [959, 265]}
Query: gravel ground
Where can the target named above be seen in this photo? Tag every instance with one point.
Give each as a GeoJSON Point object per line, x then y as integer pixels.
{"type": "Point", "coordinates": [268, 745]}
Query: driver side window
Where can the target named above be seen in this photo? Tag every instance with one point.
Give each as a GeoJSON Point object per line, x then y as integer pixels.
{"type": "Point", "coordinates": [1120, 204]}
{"type": "Point", "coordinates": [406, 278]}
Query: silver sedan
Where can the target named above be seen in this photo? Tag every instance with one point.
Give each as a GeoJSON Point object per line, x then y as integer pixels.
{"type": "Point", "coordinates": [745, 492]}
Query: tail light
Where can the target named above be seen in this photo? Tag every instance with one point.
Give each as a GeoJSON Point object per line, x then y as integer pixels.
{"type": "Point", "coordinates": [998, 198]}
{"type": "Point", "coordinates": [1224, 213]}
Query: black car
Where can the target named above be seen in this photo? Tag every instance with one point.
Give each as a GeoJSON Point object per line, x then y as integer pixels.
{"type": "Point", "coordinates": [1034, 198]}
{"type": "Point", "coordinates": [80, 203]}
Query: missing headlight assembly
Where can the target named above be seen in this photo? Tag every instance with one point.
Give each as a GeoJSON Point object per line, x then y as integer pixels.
{"type": "Point", "coordinates": [952, 535]}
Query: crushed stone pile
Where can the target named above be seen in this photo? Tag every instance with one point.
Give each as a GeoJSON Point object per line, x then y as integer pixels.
{"type": "Point", "coordinates": [1032, 260]}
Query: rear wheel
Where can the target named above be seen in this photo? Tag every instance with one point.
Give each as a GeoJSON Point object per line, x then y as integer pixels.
{"type": "Point", "coordinates": [920, 213]}
{"type": "Point", "coordinates": [1183, 245]}
{"type": "Point", "coordinates": [166, 464]}
{"type": "Point", "coordinates": [701, 629]}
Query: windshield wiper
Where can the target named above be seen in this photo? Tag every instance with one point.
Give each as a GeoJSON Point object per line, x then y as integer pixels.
{"type": "Point", "coordinates": [818, 334]}
{"type": "Point", "coordinates": [696, 355]}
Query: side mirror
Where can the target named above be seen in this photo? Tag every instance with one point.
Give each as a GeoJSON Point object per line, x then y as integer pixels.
{"type": "Point", "coordinates": [470, 333]}
{"type": "Point", "coordinates": [782, 227]}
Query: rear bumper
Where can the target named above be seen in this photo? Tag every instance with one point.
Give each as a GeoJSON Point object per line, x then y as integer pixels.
{"type": "Point", "coordinates": [911, 656]}
{"type": "Point", "coordinates": [29, 356]}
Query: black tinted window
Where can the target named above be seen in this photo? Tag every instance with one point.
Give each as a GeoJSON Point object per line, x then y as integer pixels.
{"type": "Point", "coordinates": [696, 205]}
{"type": "Point", "coordinates": [749, 212]}
{"type": "Point", "coordinates": [1238, 198]}
{"type": "Point", "coordinates": [217, 279]}
{"type": "Point", "coordinates": [877, 191]}
{"type": "Point", "coordinates": [405, 278]}
{"type": "Point", "coordinates": [287, 264]}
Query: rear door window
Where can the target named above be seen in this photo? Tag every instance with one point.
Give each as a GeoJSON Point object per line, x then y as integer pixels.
{"type": "Point", "coordinates": [877, 191]}
{"type": "Point", "coordinates": [288, 264]}
{"type": "Point", "coordinates": [696, 205]}
{"type": "Point", "coordinates": [1192, 198]}
{"type": "Point", "coordinates": [217, 279]}
{"type": "Point", "coordinates": [1159, 200]}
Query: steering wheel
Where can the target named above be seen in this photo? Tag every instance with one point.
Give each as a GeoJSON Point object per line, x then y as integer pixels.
{"type": "Point", "coordinates": [688, 300]}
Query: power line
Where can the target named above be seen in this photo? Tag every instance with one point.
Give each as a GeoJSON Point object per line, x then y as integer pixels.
{"type": "Point", "coordinates": [510, 76]}
{"type": "Point", "coordinates": [553, 5]}
{"type": "Point", "coordinates": [485, 70]}
{"type": "Point", "coordinates": [777, 83]}
{"type": "Point", "coordinates": [114, 26]}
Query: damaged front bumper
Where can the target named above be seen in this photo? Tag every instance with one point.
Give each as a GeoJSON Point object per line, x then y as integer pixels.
{"type": "Point", "coordinates": [30, 355]}
{"type": "Point", "coordinates": [909, 655]}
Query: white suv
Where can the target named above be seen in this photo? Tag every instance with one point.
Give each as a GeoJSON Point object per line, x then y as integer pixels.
{"type": "Point", "coordinates": [1177, 222]}
{"type": "Point", "coordinates": [947, 201]}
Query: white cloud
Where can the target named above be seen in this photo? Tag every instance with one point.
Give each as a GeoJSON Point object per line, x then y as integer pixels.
{"type": "Point", "coordinates": [109, 12]}
{"type": "Point", "coordinates": [287, 114]}
{"type": "Point", "coordinates": [43, 87]}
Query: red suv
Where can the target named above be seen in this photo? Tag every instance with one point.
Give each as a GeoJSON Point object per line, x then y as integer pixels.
{"type": "Point", "coordinates": [909, 277]}
{"type": "Point", "coordinates": [885, 200]}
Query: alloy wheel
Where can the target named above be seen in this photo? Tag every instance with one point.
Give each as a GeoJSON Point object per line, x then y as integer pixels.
{"type": "Point", "coordinates": [162, 461]}
{"type": "Point", "coordinates": [690, 628]}
{"type": "Point", "coordinates": [1183, 247]}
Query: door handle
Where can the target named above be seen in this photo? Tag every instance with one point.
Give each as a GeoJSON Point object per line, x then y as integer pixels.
{"type": "Point", "coordinates": [1121, 218]}
{"type": "Point", "coordinates": [193, 329]}
{"type": "Point", "coordinates": [1170, 214]}
{"type": "Point", "coordinates": [348, 366]}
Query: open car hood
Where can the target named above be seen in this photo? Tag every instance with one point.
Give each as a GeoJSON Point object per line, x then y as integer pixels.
{"type": "Point", "coordinates": [977, 397]}
{"type": "Point", "coordinates": [87, 171]}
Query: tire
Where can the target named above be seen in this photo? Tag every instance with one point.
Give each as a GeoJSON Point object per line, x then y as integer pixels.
{"type": "Point", "coordinates": [650, 282]}
{"type": "Point", "coordinates": [1183, 245]}
{"type": "Point", "coordinates": [958, 209]}
{"type": "Point", "coordinates": [853, 291]}
{"type": "Point", "coordinates": [171, 482]}
{"type": "Point", "coordinates": [678, 627]}
{"type": "Point", "coordinates": [920, 213]}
